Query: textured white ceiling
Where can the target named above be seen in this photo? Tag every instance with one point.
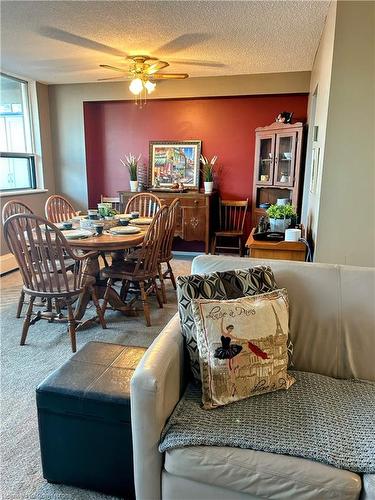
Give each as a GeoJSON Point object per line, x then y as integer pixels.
{"type": "Point", "coordinates": [65, 41]}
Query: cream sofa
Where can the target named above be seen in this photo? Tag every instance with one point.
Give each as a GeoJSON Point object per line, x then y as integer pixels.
{"type": "Point", "coordinates": [332, 326]}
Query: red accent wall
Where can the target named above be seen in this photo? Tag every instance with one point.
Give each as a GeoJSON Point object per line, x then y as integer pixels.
{"type": "Point", "coordinates": [225, 125]}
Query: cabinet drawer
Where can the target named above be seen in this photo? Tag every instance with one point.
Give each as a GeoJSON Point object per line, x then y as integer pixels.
{"type": "Point", "coordinates": [193, 202]}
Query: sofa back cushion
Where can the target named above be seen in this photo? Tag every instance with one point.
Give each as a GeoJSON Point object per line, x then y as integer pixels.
{"type": "Point", "coordinates": [332, 313]}
{"type": "Point", "coordinates": [218, 286]}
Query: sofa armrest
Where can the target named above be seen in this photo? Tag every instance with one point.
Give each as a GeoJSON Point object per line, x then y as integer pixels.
{"type": "Point", "coordinates": [156, 388]}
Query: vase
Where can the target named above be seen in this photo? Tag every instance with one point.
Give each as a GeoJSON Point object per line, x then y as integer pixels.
{"type": "Point", "coordinates": [208, 187]}
{"type": "Point", "coordinates": [279, 225]}
{"type": "Point", "coordinates": [133, 186]}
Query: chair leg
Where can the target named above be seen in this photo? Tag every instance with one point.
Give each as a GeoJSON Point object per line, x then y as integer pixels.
{"type": "Point", "coordinates": [26, 322]}
{"type": "Point", "coordinates": [162, 284]}
{"type": "Point", "coordinates": [146, 305]}
{"type": "Point", "coordinates": [20, 304]}
{"type": "Point", "coordinates": [72, 326]}
{"type": "Point", "coordinates": [99, 312]}
{"type": "Point", "coordinates": [106, 295]}
{"type": "Point", "coordinates": [159, 296]}
{"type": "Point", "coordinates": [214, 246]}
{"type": "Point", "coordinates": [124, 289]}
{"type": "Point", "coordinates": [171, 275]}
{"type": "Point", "coordinates": [240, 246]}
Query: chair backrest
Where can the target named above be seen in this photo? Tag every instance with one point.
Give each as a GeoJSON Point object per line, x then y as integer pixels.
{"type": "Point", "coordinates": [147, 204]}
{"type": "Point", "coordinates": [39, 248]}
{"type": "Point", "coordinates": [232, 215]}
{"type": "Point", "coordinates": [13, 207]}
{"type": "Point", "coordinates": [170, 228]}
{"type": "Point", "coordinates": [58, 209]}
{"type": "Point", "coordinates": [149, 254]}
{"type": "Point", "coordinates": [113, 200]}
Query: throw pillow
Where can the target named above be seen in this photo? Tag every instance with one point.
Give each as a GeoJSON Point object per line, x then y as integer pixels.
{"type": "Point", "coordinates": [221, 286]}
{"type": "Point", "coordinates": [242, 346]}
{"type": "Point", "coordinates": [241, 282]}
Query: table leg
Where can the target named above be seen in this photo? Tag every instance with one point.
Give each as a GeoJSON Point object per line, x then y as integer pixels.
{"type": "Point", "coordinates": [114, 298]}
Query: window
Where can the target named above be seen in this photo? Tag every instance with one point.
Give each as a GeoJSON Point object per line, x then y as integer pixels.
{"type": "Point", "coordinates": [17, 161]}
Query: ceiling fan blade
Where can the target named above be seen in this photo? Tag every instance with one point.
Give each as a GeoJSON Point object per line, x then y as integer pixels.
{"type": "Point", "coordinates": [183, 42]}
{"type": "Point", "coordinates": [65, 36]}
{"type": "Point", "coordinates": [153, 68]}
{"type": "Point", "coordinates": [170, 76]}
{"type": "Point", "coordinates": [110, 78]}
{"type": "Point", "coordinates": [191, 62]}
{"type": "Point", "coordinates": [107, 66]}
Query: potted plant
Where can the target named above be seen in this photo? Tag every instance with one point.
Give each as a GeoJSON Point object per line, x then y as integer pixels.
{"type": "Point", "coordinates": [131, 163]}
{"type": "Point", "coordinates": [106, 211]}
{"type": "Point", "coordinates": [208, 172]}
{"type": "Point", "coordinates": [280, 217]}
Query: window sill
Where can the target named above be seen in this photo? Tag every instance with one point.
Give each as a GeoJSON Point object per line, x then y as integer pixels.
{"type": "Point", "coordinates": [22, 192]}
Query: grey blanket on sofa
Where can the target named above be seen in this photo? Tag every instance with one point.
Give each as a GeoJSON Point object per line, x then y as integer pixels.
{"type": "Point", "coordinates": [318, 418]}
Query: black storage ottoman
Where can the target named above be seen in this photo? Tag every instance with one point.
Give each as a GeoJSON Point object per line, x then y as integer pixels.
{"type": "Point", "coordinates": [84, 419]}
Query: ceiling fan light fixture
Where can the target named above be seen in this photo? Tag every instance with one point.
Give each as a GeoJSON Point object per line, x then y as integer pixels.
{"type": "Point", "coordinates": [149, 86]}
{"type": "Point", "coordinates": [136, 86]}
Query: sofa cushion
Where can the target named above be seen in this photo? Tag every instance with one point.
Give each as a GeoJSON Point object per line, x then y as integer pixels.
{"type": "Point", "coordinates": [264, 475]}
{"type": "Point", "coordinates": [220, 286]}
{"type": "Point", "coordinates": [368, 491]}
{"type": "Point", "coordinates": [242, 346]}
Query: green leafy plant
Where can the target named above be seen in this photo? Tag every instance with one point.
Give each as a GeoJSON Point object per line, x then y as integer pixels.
{"type": "Point", "coordinates": [106, 210]}
{"type": "Point", "coordinates": [281, 212]}
{"type": "Point", "coordinates": [131, 163]}
{"type": "Point", "coordinates": [208, 167]}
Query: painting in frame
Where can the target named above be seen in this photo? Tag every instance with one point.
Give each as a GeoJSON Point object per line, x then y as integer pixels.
{"type": "Point", "coordinates": [174, 162]}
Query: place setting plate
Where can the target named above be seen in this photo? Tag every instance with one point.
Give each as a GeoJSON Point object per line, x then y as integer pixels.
{"type": "Point", "coordinates": [142, 221]}
{"type": "Point", "coordinates": [124, 230]}
{"type": "Point", "coordinates": [76, 234]}
{"type": "Point", "coordinates": [123, 216]}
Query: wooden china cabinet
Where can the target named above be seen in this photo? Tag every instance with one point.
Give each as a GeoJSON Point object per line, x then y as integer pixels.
{"type": "Point", "coordinates": [194, 218]}
{"type": "Point", "coordinates": [277, 166]}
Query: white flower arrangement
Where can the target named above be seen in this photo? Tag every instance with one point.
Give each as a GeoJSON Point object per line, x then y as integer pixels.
{"type": "Point", "coordinates": [131, 163]}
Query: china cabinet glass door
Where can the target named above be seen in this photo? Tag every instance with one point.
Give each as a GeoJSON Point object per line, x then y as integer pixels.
{"type": "Point", "coordinates": [285, 159]}
{"type": "Point", "coordinates": [265, 162]}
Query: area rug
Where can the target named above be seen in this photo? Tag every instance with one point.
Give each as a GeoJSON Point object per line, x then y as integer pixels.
{"type": "Point", "coordinates": [23, 368]}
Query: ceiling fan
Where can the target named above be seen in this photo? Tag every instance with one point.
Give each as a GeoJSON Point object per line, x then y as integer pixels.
{"type": "Point", "coordinates": [142, 72]}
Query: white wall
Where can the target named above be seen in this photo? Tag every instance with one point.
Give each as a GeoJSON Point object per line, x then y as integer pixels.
{"type": "Point", "coordinates": [66, 104]}
{"type": "Point", "coordinates": [346, 215]}
{"type": "Point", "coordinates": [320, 84]}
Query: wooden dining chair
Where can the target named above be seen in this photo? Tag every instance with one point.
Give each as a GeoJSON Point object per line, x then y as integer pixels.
{"type": "Point", "coordinates": [140, 268]}
{"type": "Point", "coordinates": [10, 208]}
{"type": "Point", "coordinates": [113, 200]}
{"type": "Point", "coordinates": [59, 209]}
{"type": "Point", "coordinates": [40, 249]}
{"type": "Point", "coordinates": [165, 255]}
{"type": "Point", "coordinates": [147, 204]}
{"type": "Point", "coordinates": [231, 223]}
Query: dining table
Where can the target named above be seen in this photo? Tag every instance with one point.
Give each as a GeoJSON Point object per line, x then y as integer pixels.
{"type": "Point", "coordinates": [116, 245]}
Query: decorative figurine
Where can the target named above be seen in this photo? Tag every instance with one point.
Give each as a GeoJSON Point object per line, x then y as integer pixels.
{"type": "Point", "coordinates": [284, 117]}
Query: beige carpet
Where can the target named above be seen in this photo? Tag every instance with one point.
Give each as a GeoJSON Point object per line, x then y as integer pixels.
{"type": "Point", "coordinates": [23, 368]}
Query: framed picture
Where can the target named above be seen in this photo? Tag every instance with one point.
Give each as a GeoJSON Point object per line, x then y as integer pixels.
{"type": "Point", "coordinates": [174, 162]}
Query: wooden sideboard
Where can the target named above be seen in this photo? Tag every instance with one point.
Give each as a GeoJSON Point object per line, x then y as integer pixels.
{"type": "Point", "coordinates": [277, 250]}
{"type": "Point", "coordinates": [194, 219]}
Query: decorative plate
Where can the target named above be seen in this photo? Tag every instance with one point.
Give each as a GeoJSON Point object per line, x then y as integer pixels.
{"type": "Point", "coordinates": [125, 230]}
{"type": "Point", "coordinates": [76, 234]}
{"type": "Point", "coordinates": [142, 221]}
